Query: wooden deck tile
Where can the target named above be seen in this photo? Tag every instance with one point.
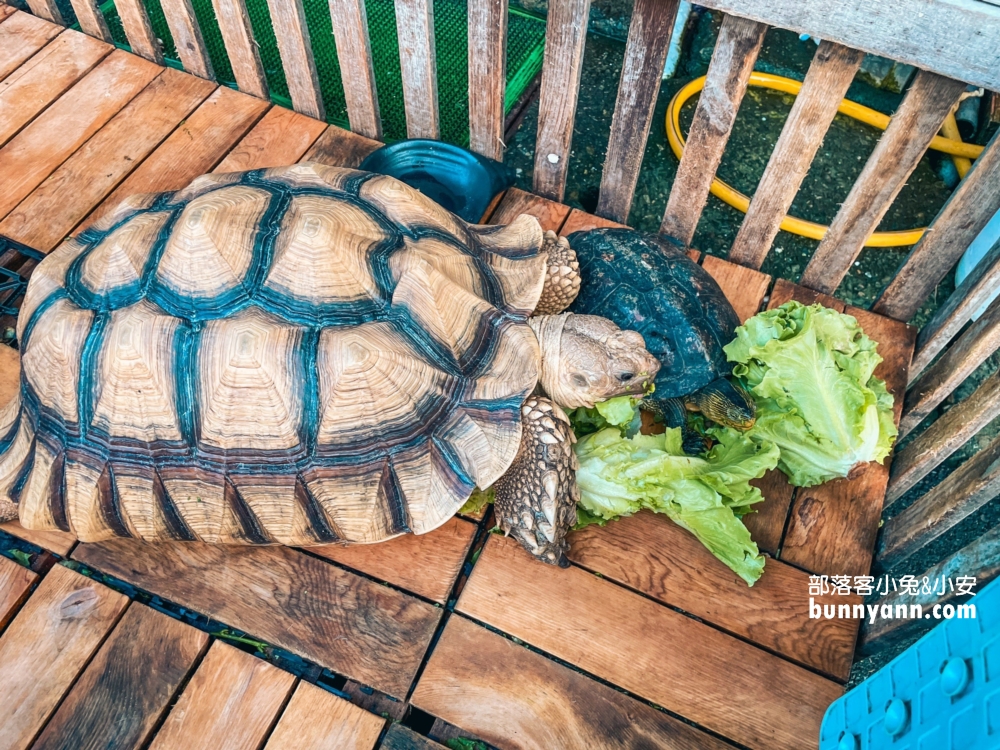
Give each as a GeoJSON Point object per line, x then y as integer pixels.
{"type": "Point", "coordinates": [45, 217]}
{"type": "Point", "coordinates": [43, 78]}
{"type": "Point", "coordinates": [21, 36]}
{"type": "Point", "coordinates": [318, 720]}
{"type": "Point", "coordinates": [48, 643]}
{"type": "Point", "coordinates": [676, 569]}
{"type": "Point", "coordinates": [337, 147]}
{"type": "Point", "coordinates": [121, 695]}
{"type": "Point", "coordinates": [579, 221]}
{"type": "Point", "coordinates": [515, 698]}
{"type": "Point", "coordinates": [35, 152]}
{"type": "Point", "coordinates": [60, 542]}
{"type": "Point", "coordinates": [687, 667]}
{"type": "Point", "coordinates": [232, 701]}
{"type": "Point", "coordinates": [550, 214]}
{"type": "Point", "coordinates": [832, 528]}
{"type": "Point", "coordinates": [426, 565]}
{"type": "Point", "coordinates": [280, 138]}
{"type": "Point", "coordinates": [744, 287]}
{"type": "Point", "coordinates": [191, 150]}
{"type": "Point", "coordinates": [15, 583]}
{"type": "Point", "coordinates": [356, 627]}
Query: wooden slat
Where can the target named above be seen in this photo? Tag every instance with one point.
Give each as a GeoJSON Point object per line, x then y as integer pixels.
{"type": "Point", "coordinates": [980, 559]}
{"type": "Point", "coordinates": [51, 212]}
{"type": "Point", "coordinates": [139, 31]}
{"type": "Point", "coordinates": [47, 9]}
{"type": "Point", "coordinates": [676, 569]}
{"type": "Point", "coordinates": [971, 349]}
{"type": "Point", "coordinates": [645, 54]}
{"type": "Point", "coordinates": [427, 565]}
{"type": "Point", "coordinates": [187, 36]}
{"type": "Point", "coordinates": [21, 36]}
{"type": "Point", "coordinates": [340, 148]}
{"type": "Point", "coordinates": [354, 52]}
{"type": "Point", "coordinates": [565, 36]}
{"type": "Point", "coordinates": [241, 46]}
{"type": "Point", "coordinates": [580, 221]}
{"type": "Point", "coordinates": [897, 154]}
{"type": "Point", "coordinates": [365, 631]}
{"type": "Point", "coordinates": [91, 19]}
{"type": "Point", "coordinates": [550, 214]}
{"type": "Point", "coordinates": [126, 688]}
{"type": "Point", "coordinates": [962, 493]}
{"type": "Point", "coordinates": [15, 583]}
{"type": "Point", "coordinates": [418, 61]}
{"type": "Point", "coordinates": [970, 207]}
{"type": "Point", "coordinates": [191, 150]}
{"type": "Point", "coordinates": [47, 645]}
{"type": "Point", "coordinates": [514, 698]}
{"type": "Point", "coordinates": [947, 434]}
{"type": "Point", "coordinates": [289, 20]}
{"type": "Point", "coordinates": [832, 527]}
{"type": "Point", "coordinates": [400, 737]}
{"type": "Point", "coordinates": [826, 82]}
{"type": "Point", "coordinates": [232, 701]}
{"type": "Point", "coordinates": [42, 146]}
{"type": "Point", "coordinates": [318, 720]}
{"type": "Point", "coordinates": [487, 76]}
{"type": "Point", "coordinates": [744, 287]}
{"type": "Point", "coordinates": [726, 83]}
{"type": "Point", "coordinates": [45, 77]}
{"type": "Point", "coordinates": [683, 665]}
{"type": "Point", "coordinates": [280, 138]}
{"type": "Point", "coordinates": [6, 11]}
{"type": "Point", "coordinates": [59, 542]}
{"type": "Point", "coordinates": [785, 291]}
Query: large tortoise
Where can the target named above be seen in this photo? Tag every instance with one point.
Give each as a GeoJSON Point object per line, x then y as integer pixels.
{"type": "Point", "coordinates": [647, 283]}
{"type": "Point", "coordinates": [301, 355]}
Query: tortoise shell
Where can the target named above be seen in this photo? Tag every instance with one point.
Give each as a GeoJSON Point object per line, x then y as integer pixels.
{"type": "Point", "coordinates": [298, 355]}
{"type": "Point", "coordinates": [648, 284]}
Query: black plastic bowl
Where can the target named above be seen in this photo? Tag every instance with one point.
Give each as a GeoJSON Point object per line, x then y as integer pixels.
{"type": "Point", "coordinates": [454, 177]}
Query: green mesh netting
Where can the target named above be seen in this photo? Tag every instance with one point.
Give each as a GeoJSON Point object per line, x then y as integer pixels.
{"type": "Point", "coordinates": [525, 44]}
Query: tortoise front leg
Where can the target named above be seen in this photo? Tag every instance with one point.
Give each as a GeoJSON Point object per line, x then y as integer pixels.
{"type": "Point", "coordinates": [536, 499]}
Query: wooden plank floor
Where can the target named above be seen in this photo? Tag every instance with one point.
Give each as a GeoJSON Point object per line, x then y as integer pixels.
{"type": "Point", "coordinates": [645, 641]}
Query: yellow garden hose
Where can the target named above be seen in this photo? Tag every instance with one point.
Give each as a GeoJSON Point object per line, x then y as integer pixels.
{"type": "Point", "coordinates": [950, 143]}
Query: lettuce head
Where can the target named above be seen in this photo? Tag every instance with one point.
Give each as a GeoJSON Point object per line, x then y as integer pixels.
{"type": "Point", "coordinates": [810, 370]}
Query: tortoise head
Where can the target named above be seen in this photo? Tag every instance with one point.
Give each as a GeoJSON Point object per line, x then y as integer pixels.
{"type": "Point", "coordinates": [586, 359]}
{"type": "Point", "coordinates": [726, 403]}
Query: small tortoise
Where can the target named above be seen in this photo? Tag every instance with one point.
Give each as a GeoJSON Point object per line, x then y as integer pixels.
{"type": "Point", "coordinates": [648, 284]}
{"type": "Point", "coordinates": [302, 355]}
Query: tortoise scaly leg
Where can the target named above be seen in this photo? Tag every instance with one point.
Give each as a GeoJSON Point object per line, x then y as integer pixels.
{"type": "Point", "coordinates": [536, 498]}
{"type": "Point", "coordinates": [562, 276]}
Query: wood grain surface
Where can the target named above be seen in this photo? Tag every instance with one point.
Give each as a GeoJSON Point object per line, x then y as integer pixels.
{"type": "Point", "coordinates": [785, 291]}
{"type": "Point", "coordinates": [122, 693]}
{"type": "Point", "coordinates": [60, 542]}
{"type": "Point", "coordinates": [138, 30]}
{"type": "Point", "coordinates": [337, 147]}
{"type": "Point", "coordinates": [15, 584]}
{"type": "Point", "coordinates": [832, 527]}
{"type": "Point", "coordinates": [43, 78]}
{"type": "Point", "coordinates": [47, 9]}
{"type": "Point", "coordinates": [725, 84]}
{"type": "Point", "coordinates": [196, 146]}
{"type": "Point", "coordinates": [358, 628]}
{"type": "Point", "coordinates": [47, 645]}
{"type": "Point", "coordinates": [970, 207]}
{"type": "Point", "coordinates": [427, 565]}
{"type": "Point", "coordinates": [580, 221]}
{"type": "Point", "coordinates": [645, 54]}
{"type": "Point", "coordinates": [676, 569]}
{"type": "Point", "coordinates": [827, 80]}
{"type": "Point", "coordinates": [55, 207]}
{"type": "Point", "coordinates": [91, 19]}
{"type": "Point", "coordinates": [354, 53]}
{"type": "Point", "coordinates": [418, 61]}
{"type": "Point", "coordinates": [6, 11]}
{"type": "Point", "coordinates": [289, 20]}
{"type": "Point", "coordinates": [565, 37]}
{"type": "Point", "coordinates": [232, 701]}
{"type": "Point", "coordinates": [35, 152]}
{"type": "Point", "coordinates": [487, 76]}
{"type": "Point", "coordinates": [550, 214]}
{"type": "Point", "coordinates": [21, 36]}
{"type": "Point", "coordinates": [674, 661]}
{"type": "Point", "coordinates": [515, 698]}
{"type": "Point", "coordinates": [745, 288]}
{"type": "Point", "coordinates": [241, 46]}
{"type": "Point", "coordinates": [401, 737]}
{"type": "Point", "coordinates": [279, 139]}
{"type": "Point", "coordinates": [318, 720]}
{"type": "Point", "coordinates": [188, 40]}
{"type": "Point", "coordinates": [899, 150]}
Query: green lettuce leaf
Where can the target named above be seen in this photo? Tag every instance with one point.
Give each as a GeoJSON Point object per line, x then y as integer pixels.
{"type": "Point", "coordinates": [621, 412]}
{"type": "Point", "coordinates": [810, 370]}
{"type": "Point", "coordinates": [619, 476]}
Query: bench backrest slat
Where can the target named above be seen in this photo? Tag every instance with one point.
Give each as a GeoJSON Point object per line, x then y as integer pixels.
{"type": "Point", "coordinates": [242, 48]}
{"type": "Point", "coordinates": [354, 51]}
{"type": "Point", "coordinates": [418, 63]}
{"type": "Point", "coordinates": [289, 20]}
{"type": "Point", "coordinates": [138, 30]}
{"type": "Point", "coordinates": [91, 20]}
{"type": "Point", "coordinates": [187, 37]}
{"type": "Point", "coordinates": [487, 76]}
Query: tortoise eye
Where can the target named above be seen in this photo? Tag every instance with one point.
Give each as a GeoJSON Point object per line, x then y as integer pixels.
{"type": "Point", "coordinates": [626, 376]}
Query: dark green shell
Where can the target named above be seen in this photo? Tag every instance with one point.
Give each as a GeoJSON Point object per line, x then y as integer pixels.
{"type": "Point", "coordinates": [648, 284]}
